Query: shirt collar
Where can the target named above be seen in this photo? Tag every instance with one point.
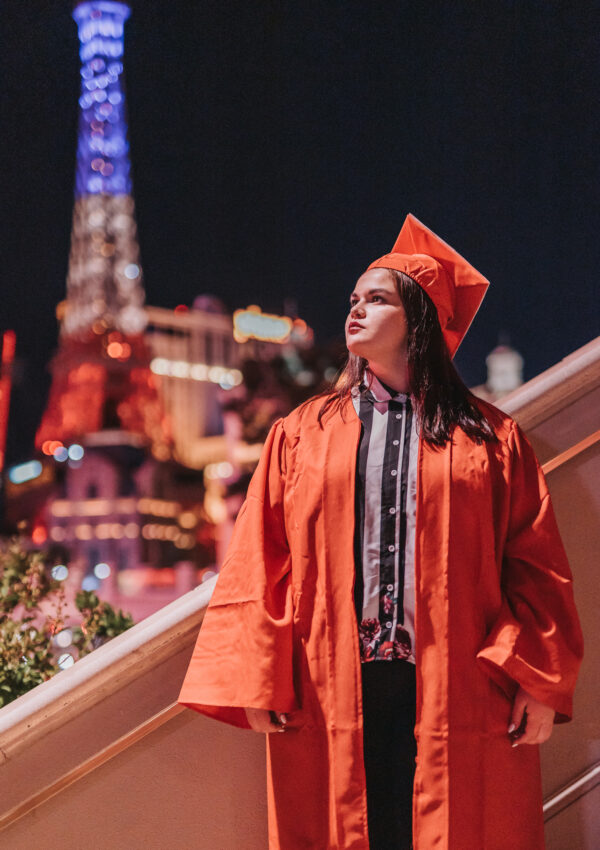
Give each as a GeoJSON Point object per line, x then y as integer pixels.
{"type": "Point", "coordinates": [378, 391]}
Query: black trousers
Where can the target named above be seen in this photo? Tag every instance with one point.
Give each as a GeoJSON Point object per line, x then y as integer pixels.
{"type": "Point", "coordinates": [389, 708]}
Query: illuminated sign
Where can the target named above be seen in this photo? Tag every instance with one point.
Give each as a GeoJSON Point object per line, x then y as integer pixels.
{"type": "Point", "coordinates": [227, 378]}
{"type": "Point", "coordinates": [27, 478]}
{"type": "Point", "coordinates": [9, 341]}
{"type": "Point", "coordinates": [253, 324]}
{"type": "Point", "coordinates": [25, 472]}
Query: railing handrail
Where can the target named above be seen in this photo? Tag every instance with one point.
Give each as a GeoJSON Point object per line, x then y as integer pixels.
{"type": "Point", "coordinates": [541, 397]}
{"type": "Point", "coordinates": [104, 671]}
{"type": "Point", "coordinates": [575, 789]}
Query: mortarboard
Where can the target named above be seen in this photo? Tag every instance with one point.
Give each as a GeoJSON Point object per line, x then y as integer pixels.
{"type": "Point", "coordinates": [454, 286]}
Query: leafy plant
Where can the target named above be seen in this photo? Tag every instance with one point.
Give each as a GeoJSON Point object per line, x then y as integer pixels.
{"type": "Point", "coordinates": [23, 578]}
{"type": "Point", "coordinates": [32, 607]}
{"type": "Point", "coordinates": [26, 658]}
{"type": "Point", "coordinates": [100, 622]}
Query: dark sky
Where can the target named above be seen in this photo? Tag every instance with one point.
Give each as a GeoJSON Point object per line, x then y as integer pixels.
{"type": "Point", "coordinates": [277, 147]}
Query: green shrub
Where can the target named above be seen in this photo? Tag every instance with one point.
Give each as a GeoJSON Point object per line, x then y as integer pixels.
{"type": "Point", "coordinates": [27, 654]}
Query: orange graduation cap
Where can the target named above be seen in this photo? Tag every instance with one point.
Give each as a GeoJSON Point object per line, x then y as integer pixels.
{"type": "Point", "coordinates": [454, 286]}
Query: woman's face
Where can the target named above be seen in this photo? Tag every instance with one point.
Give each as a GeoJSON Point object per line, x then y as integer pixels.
{"type": "Point", "coordinates": [376, 327]}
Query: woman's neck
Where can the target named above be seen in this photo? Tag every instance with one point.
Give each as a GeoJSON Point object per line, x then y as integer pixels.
{"type": "Point", "coordinates": [393, 377]}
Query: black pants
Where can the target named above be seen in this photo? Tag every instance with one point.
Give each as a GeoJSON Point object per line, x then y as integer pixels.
{"type": "Point", "coordinates": [389, 707]}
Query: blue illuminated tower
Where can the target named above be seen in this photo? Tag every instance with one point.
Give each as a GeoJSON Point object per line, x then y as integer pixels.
{"type": "Point", "coordinates": [104, 283]}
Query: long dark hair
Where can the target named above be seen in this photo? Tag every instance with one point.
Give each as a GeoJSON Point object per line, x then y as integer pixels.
{"type": "Point", "coordinates": [440, 396]}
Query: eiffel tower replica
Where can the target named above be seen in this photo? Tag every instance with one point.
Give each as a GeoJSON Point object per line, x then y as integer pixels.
{"type": "Point", "coordinates": [102, 388]}
{"type": "Point", "coordinates": [104, 428]}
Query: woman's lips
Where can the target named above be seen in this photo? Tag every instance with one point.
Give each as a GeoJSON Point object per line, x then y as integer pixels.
{"type": "Point", "coordinates": [353, 327]}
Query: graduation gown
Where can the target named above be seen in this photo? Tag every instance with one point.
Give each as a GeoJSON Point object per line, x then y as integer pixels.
{"type": "Point", "coordinates": [494, 609]}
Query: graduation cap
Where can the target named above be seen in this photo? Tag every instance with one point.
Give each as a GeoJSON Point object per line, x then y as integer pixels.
{"type": "Point", "coordinates": [454, 286]}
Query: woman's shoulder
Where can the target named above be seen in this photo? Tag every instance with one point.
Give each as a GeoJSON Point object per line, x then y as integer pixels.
{"type": "Point", "coordinates": [306, 415]}
{"type": "Point", "coordinates": [502, 424]}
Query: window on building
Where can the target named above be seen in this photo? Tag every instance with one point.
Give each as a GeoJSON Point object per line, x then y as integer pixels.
{"type": "Point", "coordinates": [226, 351]}
{"type": "Point", "coordinates": [123, 558]}
{"type": "Point", "coordinates": [126, 485]}
{"type": "Point", "coordinates": [93, 558]}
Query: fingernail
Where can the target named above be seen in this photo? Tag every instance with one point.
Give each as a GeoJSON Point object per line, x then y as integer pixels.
{"type": "Point", "coordinates": [515, 744]}
{"type": "Point", "coordinates": [283, 718]}
{"type": "Point", "coordinates": [511, 728]}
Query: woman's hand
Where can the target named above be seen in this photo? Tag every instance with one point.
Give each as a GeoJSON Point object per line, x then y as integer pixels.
{"type": "Point", "coordinates": [531, 721]}
{"type": "Point", "coordinates": [264, 721]}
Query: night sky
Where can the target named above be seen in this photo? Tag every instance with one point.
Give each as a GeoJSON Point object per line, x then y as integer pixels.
{"type": "Point", "coordinates": [277, 147]}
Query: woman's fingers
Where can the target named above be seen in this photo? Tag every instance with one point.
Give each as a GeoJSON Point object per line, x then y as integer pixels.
{"type": "Point", "coordinates": [260, 720]}
{"type": "Point", "coordinates": [537, 735]}
{"type": "Point", "coordinates": [265, 721]}
{"type": "Point", "coordinates": [517, 712]}
{"type": "Point", "coordinates": [534, 717]}
{"type": "Point", "coordinates": [530, 734]}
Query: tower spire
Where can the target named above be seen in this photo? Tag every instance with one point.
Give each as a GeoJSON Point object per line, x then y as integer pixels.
{"type": "Point", "coordinates": [104, 283]}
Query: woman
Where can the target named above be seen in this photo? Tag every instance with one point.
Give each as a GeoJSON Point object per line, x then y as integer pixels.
{"type": "Point", "coordinates": [402, 499]}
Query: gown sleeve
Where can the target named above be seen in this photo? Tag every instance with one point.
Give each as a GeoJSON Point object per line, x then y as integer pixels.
{"type": "Point", "coordinates": [536, 640]}
{"type": "Point", "coordinates": [243, 654]}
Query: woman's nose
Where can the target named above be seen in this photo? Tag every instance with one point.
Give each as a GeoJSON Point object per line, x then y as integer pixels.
{"type": "Point", "coordinates": [356, 309]}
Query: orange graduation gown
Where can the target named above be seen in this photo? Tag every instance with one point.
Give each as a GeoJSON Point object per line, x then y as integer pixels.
{"type": "Point", "coordinates": [494, 609]}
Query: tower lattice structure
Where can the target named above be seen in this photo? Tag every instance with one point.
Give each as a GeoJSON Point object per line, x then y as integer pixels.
{"type": "Point", "coordinates": [100, 374]}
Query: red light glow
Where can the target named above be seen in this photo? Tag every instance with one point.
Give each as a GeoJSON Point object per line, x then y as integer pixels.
{"type": "Point", "coordinates": [80, 390]}
{"type": "Point", "coordinates": [39, 534]}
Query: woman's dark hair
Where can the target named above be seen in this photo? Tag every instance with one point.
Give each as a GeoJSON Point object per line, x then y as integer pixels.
{"type": "Point", "coordinates": [441, 398]}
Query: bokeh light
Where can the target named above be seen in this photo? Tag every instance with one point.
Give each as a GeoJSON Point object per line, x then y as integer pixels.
{"type": "Point", "coordinates": [64, 638]}
{"type": "Point", "coordinates": [61, 454]}
{"type": "Point", "coordinates": [76, 452]}
{"type": "Point", "coordinates": [90, 583]}
{"type": "Point", "coordinates": [65, 660]}
{"type": "Point", "coordinates": [102, 570]}
{"type": "Point", "coordinates": [39, 535]}
{"type": "Point", "coordinates": [59, 572]}
{"type": "Point", "coordinates": [25, 472]}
